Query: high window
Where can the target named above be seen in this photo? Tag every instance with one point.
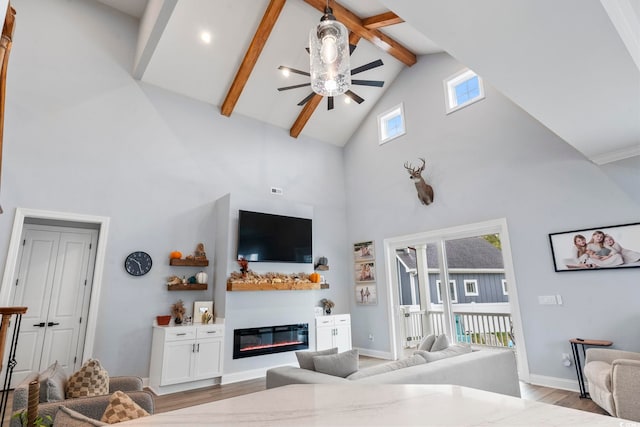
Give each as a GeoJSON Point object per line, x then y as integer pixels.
{"type": "Point", "coordinates": [391, 124]}
{"type": "Point", "coordinates": [471, 288]}
{"type": "Point", "coordinates": [452, 291]}
{"type": "Point", "coordinates": [462, 89]}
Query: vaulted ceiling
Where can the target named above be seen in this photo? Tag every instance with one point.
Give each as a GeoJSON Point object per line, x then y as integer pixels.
{"type": "Point", "coordinates": [573, 65]}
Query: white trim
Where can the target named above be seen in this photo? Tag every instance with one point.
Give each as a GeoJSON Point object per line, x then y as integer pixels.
{"type": "Point", "coordinates": [554, 382]}
{"type": "Point", "coordinates": [469, 270]}
{"type": "Point", "coordinates": [627, 23]}
{"type": "Point", "coordinates": [452, 282]}
{"type": "Point", "coordinates": [376, 353]}
{"type": "Point", "coordinates": [614, 156]}
{"type": "Point", "coordinates": [475, 286]}
{"type": "Point", "coordinates": [458, 232]}
{"type": "Point", "coordinates": [450, 83]}
{"type": "Point", "coordinates": [10, 267]}
{"type": "Point", "coordinates": [386, 115]}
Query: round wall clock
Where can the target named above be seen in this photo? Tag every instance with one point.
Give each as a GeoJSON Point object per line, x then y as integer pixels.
{"type": "Point", "coordinates": [138, 263]}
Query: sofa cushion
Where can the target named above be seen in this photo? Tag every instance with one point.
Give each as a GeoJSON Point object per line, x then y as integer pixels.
{"type": "Point", "coordinates": [305, 358]}
{"type": "Point", "coordinates": [440, 343]}
{"type": "Point", "coordinates": [451, 351]}
{"type": "Point", "coordinates": [387, 367]}
{"type": "Point", "coordinates": [599, 373]}
{"type": "Point", "coordinates": [339, 365]}
{"type": "Point", "coordinates": [427, 342]}
{"type": "Point", "coordinates": [69, 418]}
{"type": "Point", "coordinates": [52, 383]}
{"type": "Point", "coordinates": [91, 380]}
{"type": "Point", "coordinates": [122, 408]}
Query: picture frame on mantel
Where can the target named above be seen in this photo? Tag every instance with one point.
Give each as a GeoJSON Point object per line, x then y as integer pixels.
{"type": "Point", "coordinates": [598, 248]}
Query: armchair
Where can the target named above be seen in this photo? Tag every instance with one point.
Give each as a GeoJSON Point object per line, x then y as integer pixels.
{"type": "Point", "coordinates": [92, 407]}
{"type": "Point", "coordinates": [614, 381]}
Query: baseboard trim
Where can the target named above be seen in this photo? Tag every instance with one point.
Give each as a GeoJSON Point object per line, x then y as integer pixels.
{"type": "Point", "coordinates": [554, 382]}
{"type": "Point", "coordinates": [252, 374]}
{"type": "Point", "coordinates": [375, 353]}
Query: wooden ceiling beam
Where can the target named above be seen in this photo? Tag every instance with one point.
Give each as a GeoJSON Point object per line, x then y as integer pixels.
{"type": "Point", "coordinates": [251, 57]}
{"type": "Point", "coordinates": [354, 23]}
{"type": "Point", "coordinates": [382, 20]}
{"type": "Point", "coordinates": [312, 104]}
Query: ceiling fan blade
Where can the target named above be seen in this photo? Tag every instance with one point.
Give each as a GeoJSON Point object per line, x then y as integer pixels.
{"type": "Point", "coordinates": [304, 101]}
{"type": "Point", "coordinates": [353, 96]}
{"type": "Point", "coordinates": [293, 70]}
{"type": "Point", "coordinates": [352, 47]}
{"type": "Point", "coordinates": [294, 86]}
{"type": "Point", "coordinates": [330, 103]}
{"type": "Point", "coordinates": [365, 67]}
{"type": "Point", "coordinates": [376, 83]}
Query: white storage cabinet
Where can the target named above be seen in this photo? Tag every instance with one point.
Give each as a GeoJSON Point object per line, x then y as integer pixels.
{"type": "Point", "coordinates": [333, 331]}
{"type": "Point", "coordinates": [185, 357]}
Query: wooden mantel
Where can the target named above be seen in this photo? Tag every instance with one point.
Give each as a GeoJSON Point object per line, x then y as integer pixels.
{"type": "Point", "coordinates": [275, 286]}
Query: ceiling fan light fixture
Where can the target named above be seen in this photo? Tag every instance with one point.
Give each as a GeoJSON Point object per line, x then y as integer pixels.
{"type": "Point", "coordinates": [329, 56]}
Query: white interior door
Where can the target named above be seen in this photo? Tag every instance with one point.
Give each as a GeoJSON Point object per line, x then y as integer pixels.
{"type": "Point", "coordinates": [54, 282]}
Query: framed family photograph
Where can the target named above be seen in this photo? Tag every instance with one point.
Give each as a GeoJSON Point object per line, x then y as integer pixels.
{"type": "Point", "coordinates": [363, 251]}
{"type": "Point", "coordinates": [365, 272]}
{"type": "Point", "coordinates": [614, 246]}
{"type": "Point", "coordinates": [366, 294]}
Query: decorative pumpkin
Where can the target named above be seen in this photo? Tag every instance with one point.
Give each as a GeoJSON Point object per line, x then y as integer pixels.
{"type": "Point", "coordinates": [201, 277]}
{"type": "Point", "coordinates": [175, 255]}
{"type": "Point", "coordinates": [314, 277]}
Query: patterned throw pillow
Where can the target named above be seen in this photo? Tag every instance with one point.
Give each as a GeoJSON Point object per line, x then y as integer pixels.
{"type": "Point", "coordinates": [122, 408]}
{"type": "Point", "coordinates": [91, 380]}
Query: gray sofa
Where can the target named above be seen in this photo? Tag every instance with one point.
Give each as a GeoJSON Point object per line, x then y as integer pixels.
{"type": "Point", "coordinates": [92, 407]}
{"type": "Point", "coordinates": [490, 370]}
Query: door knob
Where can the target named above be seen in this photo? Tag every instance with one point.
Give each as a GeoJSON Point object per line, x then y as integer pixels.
{"type": "Point", "coordinates": [53, 324]}
{"type": "Point", "coordinates": [40, 325]}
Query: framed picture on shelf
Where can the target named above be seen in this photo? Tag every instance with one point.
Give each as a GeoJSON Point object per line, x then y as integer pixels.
{"type": "Point", "coordinates": [365, 271]}
{"type": "Point", "coordinates": [609, 247]}
{"type": "Point", "coordinates": [363, 251]}
{"type": "Point", "coordinates": [366, 294]}
{"type": "Point", "coordinates": [200, 308]}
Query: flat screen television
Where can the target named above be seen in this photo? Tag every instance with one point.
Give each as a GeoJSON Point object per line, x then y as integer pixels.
{"type": "Point", "coordinates": [266, 237]}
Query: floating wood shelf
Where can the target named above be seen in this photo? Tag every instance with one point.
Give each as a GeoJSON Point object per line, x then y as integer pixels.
{"type": "Point", "coordinates": [188, 287]}
{"type": "Point", "coordinates": [189, 262]}
{"type": "Point", "coordinates": [278, 286]}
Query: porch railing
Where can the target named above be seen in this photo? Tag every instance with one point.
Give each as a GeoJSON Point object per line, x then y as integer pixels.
{"type": "Point", "coordinates": [480, 328]}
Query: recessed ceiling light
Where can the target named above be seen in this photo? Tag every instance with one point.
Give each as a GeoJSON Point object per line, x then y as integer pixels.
{"type": "Point", "coordinates": [285, 72]}
{"type": "Point", "coordinates": [205, 36]}
{"type": "Point", "coordinates": [347, 100]}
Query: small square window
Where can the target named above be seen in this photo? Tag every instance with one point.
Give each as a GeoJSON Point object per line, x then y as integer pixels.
{"type": "Point", "coordinates": [391, 124]}
{"type": "Point", "coordinates": [471, 288]}
{"type": "Point", "coordinates": [462, 89]}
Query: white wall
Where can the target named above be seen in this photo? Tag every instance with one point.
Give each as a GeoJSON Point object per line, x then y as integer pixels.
{"type": "Point", "coordinates": [487, 161]}
{"type": "Point", "coordinates": [82, 136]}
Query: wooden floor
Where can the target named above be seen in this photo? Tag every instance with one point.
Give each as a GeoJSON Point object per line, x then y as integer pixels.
{"type": "Point", "coordinates": [168, 402]}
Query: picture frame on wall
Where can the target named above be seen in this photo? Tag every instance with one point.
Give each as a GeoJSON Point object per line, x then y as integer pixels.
{"type": "Point", "coordinates": [201, 307]}
{"type": "Point", "coordinates": [363, 251]}
{"type": "Point", "coordinates": [366, 294]}
{"type": "Point", "coordinates": [365, 271]}
{"type": "Point", "coordinates": [608, 247]}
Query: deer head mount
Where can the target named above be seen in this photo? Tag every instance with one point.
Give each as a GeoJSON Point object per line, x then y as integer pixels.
{"type": "Point", "coordinates": [425, 191]}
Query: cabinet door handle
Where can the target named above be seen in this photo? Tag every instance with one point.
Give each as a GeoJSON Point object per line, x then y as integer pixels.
{"type": "Point", "coordinates": [181, 334]}
{"type": "Point", "coordinates": [211, 332]}
{"type": "Point", "coordinates": [40, 325]}
{"type": "Point", "coordinates": [193, 348]}
{"type": "Point", "coordinates": [198, 348]}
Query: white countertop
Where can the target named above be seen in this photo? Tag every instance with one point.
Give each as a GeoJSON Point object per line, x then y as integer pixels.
{"type": "Point", "coordinates": [376, 405]}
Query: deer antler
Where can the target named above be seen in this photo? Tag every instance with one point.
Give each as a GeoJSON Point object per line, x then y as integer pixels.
{"type": "Point", "coordinates": [423, 164]}
{"type": "Point", "coordinates": [408, 167]}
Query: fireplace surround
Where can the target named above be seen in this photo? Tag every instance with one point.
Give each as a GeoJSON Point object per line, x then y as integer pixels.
{"type": "Point", "coordinates": [262, 340]}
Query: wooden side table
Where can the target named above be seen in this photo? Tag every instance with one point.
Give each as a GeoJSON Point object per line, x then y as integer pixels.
{"type": "Point", "coordinates": [576, 356]}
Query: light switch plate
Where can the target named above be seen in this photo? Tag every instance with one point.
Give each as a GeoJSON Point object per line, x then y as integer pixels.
{"type": "Point", "coordinates": [547, 299]}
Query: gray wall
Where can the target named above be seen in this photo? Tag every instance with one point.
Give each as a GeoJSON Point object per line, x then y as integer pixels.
{"type": "Point", "coordinates": [492, 160]}
{"type": "Point", "coordinates": [82, 136]}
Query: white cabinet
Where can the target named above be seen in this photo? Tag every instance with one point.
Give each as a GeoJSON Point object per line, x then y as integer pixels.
{"type": "Point", "coordinates": [185, 357]}
{"type": "Point", "coordinates": [333, 331]}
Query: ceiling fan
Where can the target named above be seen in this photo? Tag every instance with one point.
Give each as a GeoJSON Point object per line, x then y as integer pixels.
{"type": "Point", "coordinates": [349, 93]}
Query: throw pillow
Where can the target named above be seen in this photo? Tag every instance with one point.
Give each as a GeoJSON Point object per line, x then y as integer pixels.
{"type": "Point", "coordinates": [69, 418]}
{"type": "Point", "coordinates": [122, 408]}
{"type": "Point", "coordinates": [440, 343]}
{"type": "Point", "coordinates": [427, 342]}
{"type": "Point", "coordinates": [91, 380]}
{"type": "Point", "coordinates": [305, 358]}
{"type": "Point", "coordinates": [52, 383]}
{"type": "Point", "coordinates": [338, 365]}
{"type": "Point", "coordinates": [451, 351]}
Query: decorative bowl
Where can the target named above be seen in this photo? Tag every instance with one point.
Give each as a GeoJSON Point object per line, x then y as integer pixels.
{"type": "Point", "coordinates": [163, 320]}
